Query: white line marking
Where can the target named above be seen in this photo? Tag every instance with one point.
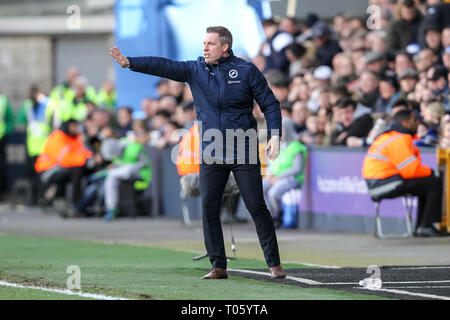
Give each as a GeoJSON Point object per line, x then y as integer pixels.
{"type": "Point", "coordinates": [301, 280]}
{"type": "Point", "coordinates": [419, 268]}
{"type": "Point", "coordinates": [68, 292]}
{"type": "Point", "coordinates": [423, 295]}
{"type": "Point", "coordinates": [314, 265]}
{"type": "Point", "coordinates": [420, 287]}
{"type": "Point", "coordinates": [386, 282]}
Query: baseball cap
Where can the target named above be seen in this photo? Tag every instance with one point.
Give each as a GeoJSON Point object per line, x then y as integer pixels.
{"type": "Point", "coordinates": [319, 29]}
{"type": "Point", "coordinates": [323, 73]}
{"type": "Point", "coordinates": [409, 73]}
{"type": "Point", "coordinates": [373, 56]}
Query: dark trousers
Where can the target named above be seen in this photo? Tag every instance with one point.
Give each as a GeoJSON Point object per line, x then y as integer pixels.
{"type": "Point", "coordinates": [213, 178]}
{"type": "Point", "coordinates": [62, 176]}
{"type": "Point", "coordinates": [429, 192]}
{"type": "Point", "coordinates": [3, 166]}
{"type": "Point", "coordinates": [33, 176]}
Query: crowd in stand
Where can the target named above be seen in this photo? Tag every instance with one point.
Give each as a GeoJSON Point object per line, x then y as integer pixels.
{"type": "Point", "coordinates": [338, 83]}
{"type": "Point", "coordinates": [341, 83]}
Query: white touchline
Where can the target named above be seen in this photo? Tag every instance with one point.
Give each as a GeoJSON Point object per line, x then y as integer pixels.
{"type": "Point", "coordinates": [386, 282]}
{"type": "Point", "coordinates": [419, 268]}
{"type": "Point", "coordinates": [301, 280]}
{"type": "Point", "coordinates": [314, 265]}
{"type": "Point", "coordinates": [416, 294]}
{"type": "Point", "coordinates": [68, 292]}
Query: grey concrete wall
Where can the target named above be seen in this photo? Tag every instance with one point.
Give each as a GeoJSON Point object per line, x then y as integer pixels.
{"type": "Point", "coordinates": [90, 53]}
{"type": "Point", "coordinates": [25, 60]}
{"type": "Point", "coordinates": [326, 9]}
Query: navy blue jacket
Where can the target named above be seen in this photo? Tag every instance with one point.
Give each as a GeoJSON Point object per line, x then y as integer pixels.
{"type": "Point", "coordinates": [223, 93]}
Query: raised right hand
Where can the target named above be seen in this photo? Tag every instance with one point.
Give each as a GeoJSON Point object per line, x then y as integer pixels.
{"type": "Point", "coordinates": [119, 57]}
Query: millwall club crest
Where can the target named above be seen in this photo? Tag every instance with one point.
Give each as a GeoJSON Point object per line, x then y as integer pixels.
{"type": "Point", "coordinates": [233, 73]}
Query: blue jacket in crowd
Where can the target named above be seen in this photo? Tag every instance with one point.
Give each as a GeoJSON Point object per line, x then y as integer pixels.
{"type": "Point", "coordinates": [223, 94]}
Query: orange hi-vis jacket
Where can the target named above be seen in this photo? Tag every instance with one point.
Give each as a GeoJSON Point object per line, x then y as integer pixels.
{"type": "Point", "coordinates": [188, 160]}
{"type": "Point", "coordinates": [394, 153]}
{"type": "Point", "coordinates": [64, 150]}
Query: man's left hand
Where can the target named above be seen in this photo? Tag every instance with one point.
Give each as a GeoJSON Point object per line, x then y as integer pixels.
{"type": "Point", "coordinates": [273, 146]}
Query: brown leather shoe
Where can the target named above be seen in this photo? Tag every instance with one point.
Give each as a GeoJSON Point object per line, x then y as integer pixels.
{"type": "Point", "coordinates": [277, 272]}
{"type": "Point", "coordinates": [216, 273]}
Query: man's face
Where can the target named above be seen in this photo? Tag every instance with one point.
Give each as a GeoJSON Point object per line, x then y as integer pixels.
{"type": "Point", "coordinates": [412, 123]}
{"type": "Point", "coordinates": [346, 115]}
{"type": "Point", "coordinates": [408, 84]}
{"type": "Point", "coordinates": [433, 39]}
{"type": "Point", "coordinates": [408, 14]}
{"type": "Point", "coordinates": [386, 90]}
{"type": "Point", "coordinates": [73, 128]}
{"type": "Point", "coordinates": [402, 63]}
{"type": "Point", "coordinates": [368, 83]}
{"type": "Point", "coordinates": [213, 50]}
{"type": "Point", "coordinates": [426, 59]}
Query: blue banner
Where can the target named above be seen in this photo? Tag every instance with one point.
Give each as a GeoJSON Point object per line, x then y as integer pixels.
{"type": "Point", "coordinates": [175, 29]}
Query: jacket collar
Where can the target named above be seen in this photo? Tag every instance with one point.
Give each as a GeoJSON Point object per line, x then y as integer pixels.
{"type": "Point", "coordinates": [227, 58]}
{"type": "Point", "coordinates": [395, 126]}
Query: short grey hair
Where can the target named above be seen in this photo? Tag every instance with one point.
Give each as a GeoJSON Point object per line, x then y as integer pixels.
{"type": "Point", "coordinates": [225, 35]}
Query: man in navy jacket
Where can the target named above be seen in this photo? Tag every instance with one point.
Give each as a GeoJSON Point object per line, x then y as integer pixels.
{"type": "Point", "coordinates": [224, 87]}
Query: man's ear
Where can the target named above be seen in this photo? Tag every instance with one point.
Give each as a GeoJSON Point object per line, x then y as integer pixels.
{"type": "Point", "coordinates": [226, 47]}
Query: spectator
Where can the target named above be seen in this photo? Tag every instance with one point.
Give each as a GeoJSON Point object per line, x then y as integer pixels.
{"type": "Point", "coordinates": [32, 115]}
{"type": "Point", "coordinates": [294, 53]}
{"type": "Point", "coordinates": [322, 80]}
{"type": "Point", "coordinates": [446, 57]}
{"type": "Point", "coordinates": [437, 83]}
{"type": "Point", "coordinates": [375, 40]}
{"type": "Point", "coordinates": [290, 25]}
{"type": "Point", "coordinates": [107, 96]}
{"type": "Point", "coordinates": [404, 30]}
{"type": "Point", "coordinates": [339, 21]}
{"type": "Point", "coordinates": [433, 39]}
{"type": "Point", "coordinates": [327, 47]}
{"type": "Point", "coordinates": [368, 89]}
{"type": "Point", "coordinates": [160, 119]}
{"type": "Point", "coordinates": [278, 83]}
{"type": "Point", "coordinates": [349, 126]}
{"type": "Point", "coordinates": [432, 115]}
{"type": "Point", "coordinates": [150, 107]}
{"type": "Point", "coordinates": [63, 159]}
{"type": "Point", "coordinates": [130, 163]}
{"type": "Point", "coordinates": [388, 90]}
{"type": "Point", "coordinates": [445, 137]}
{"type": "Point", "coordinates": [312, 135]}
{"type": "Point", "coordinates": [376, 61]}
{"type": "Point", "coordinates": [286, 109]}
{"type": "Point", "coordinates": [403, 61]}
{"type": "Point", "coordinates": [140, 131]}
{"type": "Point", "coordinates": [189, 115]}
{"type": "Point", "coordinates": [400, 172]}
{"type": "Point", "coordinates": [343, 70]}
{"type": "Point", "coordinates": [71, 106]}
{"type": "Point", "coordinates": [6, 128]}
{"type": "Point", "coordinates": [445, 37]}
{"type": "Point", "coordinates": [176, 90]}
{"type": "Point", "coordinates": [287, 174]}
{"type": "Point", "coordinates": [300, 112]}
{"type": "Point", "coordinates": [162, 88]}
{"type": "Point", "coordinates": [124, 119]}
{"type": "Point", "coordinates": [167, 103]}
{"type": "Point", "coordinates": [273, 49]}
{"type": "Point", "coordinates": [425, 59]}
{"type": "Point", "coordinates": [407, 80]}
{"type": "Point", "coordinates": [437, 14]}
